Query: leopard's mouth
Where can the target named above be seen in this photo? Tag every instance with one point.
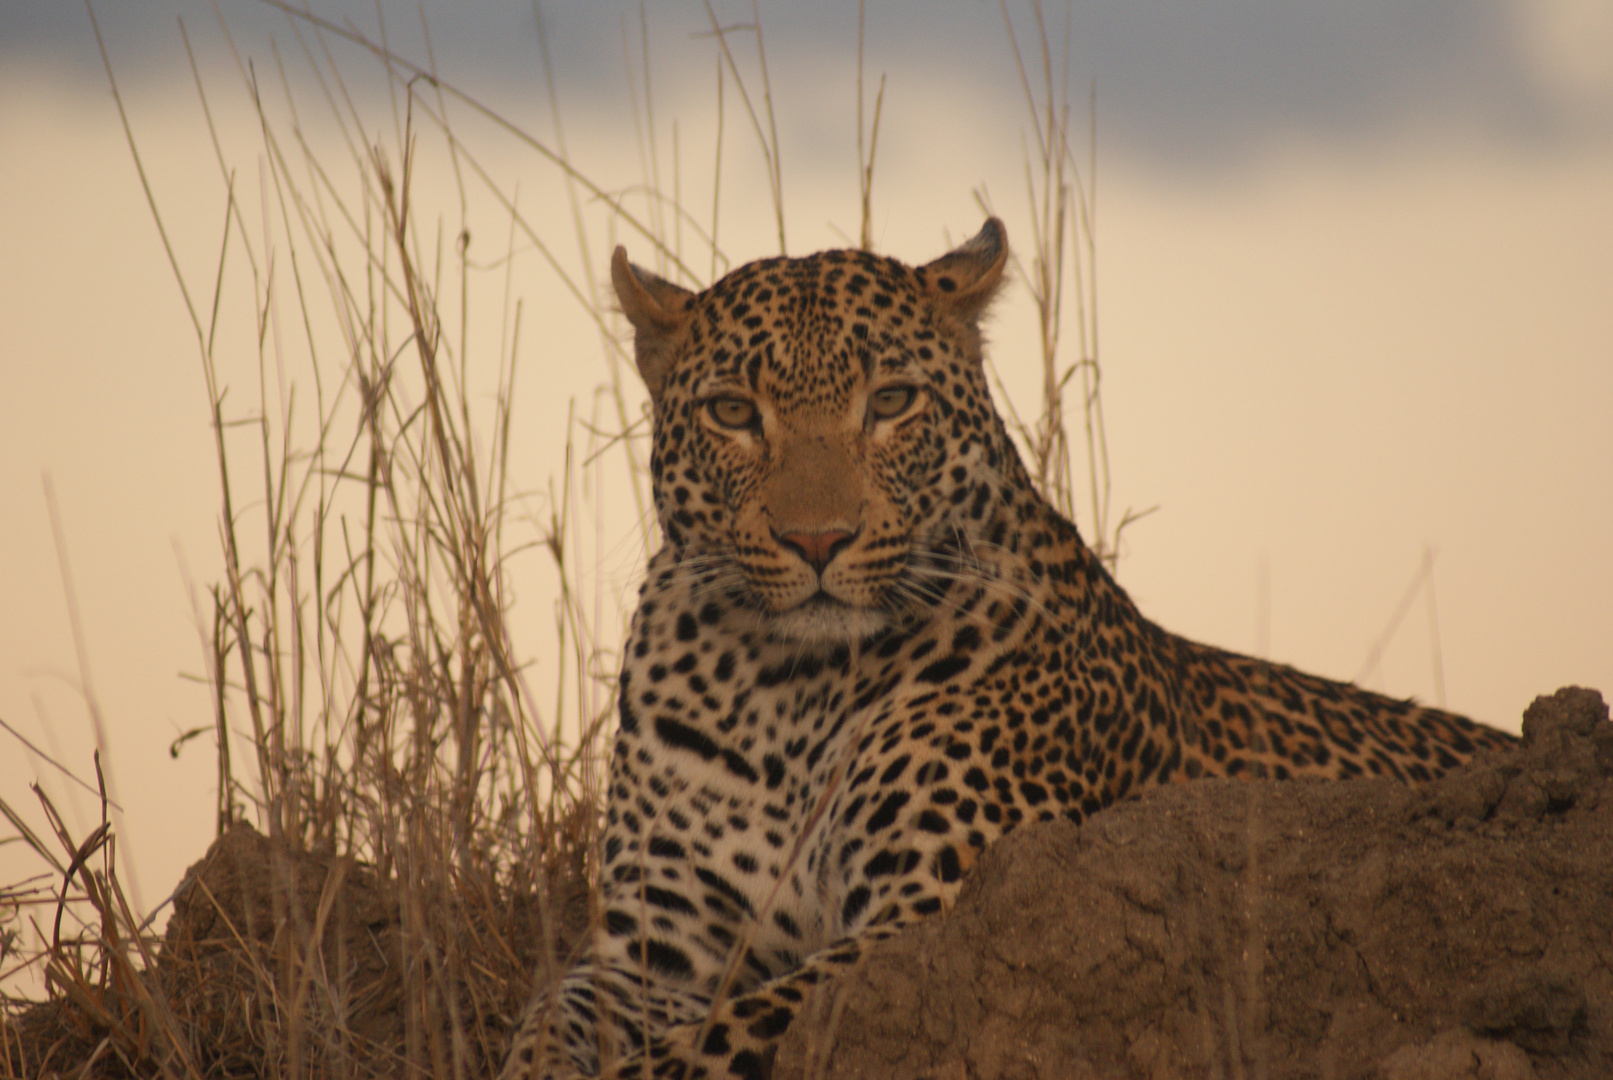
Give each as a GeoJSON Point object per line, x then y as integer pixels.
{"type": "Point", "coordinates": [823, 619]}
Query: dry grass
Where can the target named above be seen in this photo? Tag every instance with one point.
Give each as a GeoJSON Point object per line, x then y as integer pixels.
{"type": "Point", "coordinates": [427, 817]}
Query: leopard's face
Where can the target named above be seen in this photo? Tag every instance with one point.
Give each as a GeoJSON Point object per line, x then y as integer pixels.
{"type": "Point", "coordinates": [825, 445]}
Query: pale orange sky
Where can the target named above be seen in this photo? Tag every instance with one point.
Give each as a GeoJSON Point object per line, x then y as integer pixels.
{"type": "Point", "coordinates": [1322, 358]}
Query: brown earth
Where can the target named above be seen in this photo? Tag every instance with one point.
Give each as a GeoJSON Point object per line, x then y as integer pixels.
{"type": "Point", "coordinates": [1269, 929]}
{"type": "Point", "coordinates": [1217, 929]}
{"type": "Point", "coordinates": [277, 963]}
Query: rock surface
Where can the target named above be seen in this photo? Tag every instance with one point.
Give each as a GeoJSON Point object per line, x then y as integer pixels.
{"type": "Point", "coordinates": [1269, 929]}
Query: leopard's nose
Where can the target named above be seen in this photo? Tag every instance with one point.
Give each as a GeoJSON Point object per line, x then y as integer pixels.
{"type": "Point", "coordinates": [817, 548]}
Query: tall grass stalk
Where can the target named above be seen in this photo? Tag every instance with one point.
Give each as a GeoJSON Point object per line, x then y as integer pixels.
{"type": "Point", "coordinates": [1063, 211]}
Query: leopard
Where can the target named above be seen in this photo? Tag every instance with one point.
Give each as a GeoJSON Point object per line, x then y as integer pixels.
{"type": "Point", "coordinates": [866, 649]}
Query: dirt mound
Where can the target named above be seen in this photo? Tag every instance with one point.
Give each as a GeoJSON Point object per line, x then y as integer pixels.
{"type": "Point", "coordinates": [1284, 929]}
{"type": "Point", "coordinates": [252, 907]}
{"type": "Point", "coordinates": [304, 962]}
{"type": "Point", "coordinates": [279, 962]}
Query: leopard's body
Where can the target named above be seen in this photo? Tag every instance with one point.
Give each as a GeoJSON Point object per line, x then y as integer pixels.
{"type": "Point", "coordinates": [867, 649]}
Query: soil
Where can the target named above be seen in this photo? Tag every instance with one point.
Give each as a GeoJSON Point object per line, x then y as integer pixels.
{"type": "Point", "coordinates": [278, 962]}
{"type": "Point", "coordinates": [1269, 929]}
{"type": "Point", "coordinates": [1217, 929]}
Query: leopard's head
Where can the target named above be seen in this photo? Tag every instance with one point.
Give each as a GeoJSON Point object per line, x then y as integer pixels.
{"type": "Point", "coordinates": [825, 450]}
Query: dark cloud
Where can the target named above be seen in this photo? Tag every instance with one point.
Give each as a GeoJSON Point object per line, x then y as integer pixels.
{"type": "Point", "coordinates": [1183, 85]}
{"type": "Point", "coordinates": [1205, 80]}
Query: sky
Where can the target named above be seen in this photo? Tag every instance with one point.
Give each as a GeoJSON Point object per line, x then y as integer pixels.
{"type": "Point", "coordinates": [1352, 268]}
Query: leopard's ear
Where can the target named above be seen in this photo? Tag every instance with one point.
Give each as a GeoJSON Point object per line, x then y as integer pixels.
{"type": "Point", "coordinates": [966, 278]}
{"type": "Point", "coordinates": [658, 310]}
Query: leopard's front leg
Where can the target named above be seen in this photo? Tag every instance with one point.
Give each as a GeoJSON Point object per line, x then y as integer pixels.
{"type": "Point", "coordinates": [601, 1014]}
{"type": "Point", "coordinates": [741, 1036]}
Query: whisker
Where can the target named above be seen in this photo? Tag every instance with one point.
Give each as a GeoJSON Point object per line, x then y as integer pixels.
{"type": "Point", "coordinates": [994, 580]}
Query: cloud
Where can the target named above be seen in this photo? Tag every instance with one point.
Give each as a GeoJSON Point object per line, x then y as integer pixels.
{"type": "Point", "coordinates": [1567, 46]}
{"type": "Point", "coordinates": [1179, 85]}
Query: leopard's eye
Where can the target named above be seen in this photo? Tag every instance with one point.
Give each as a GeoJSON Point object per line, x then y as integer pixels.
{"type": "Point", "coordinates": [732, 412]}
{"type": "Point", "coordinates": [891, 401]}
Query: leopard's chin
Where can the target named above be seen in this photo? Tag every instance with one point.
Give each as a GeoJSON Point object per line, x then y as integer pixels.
{"type": "Point", "coordinates": [823, 620]}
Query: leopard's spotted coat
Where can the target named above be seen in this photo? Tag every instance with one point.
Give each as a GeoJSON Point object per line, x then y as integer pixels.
{"type": "Point", "coordinates": [867, 649]}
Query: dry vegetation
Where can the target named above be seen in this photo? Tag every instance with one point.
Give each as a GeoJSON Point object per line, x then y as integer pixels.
{"type": "Point", "coordinates": [424, 799]}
